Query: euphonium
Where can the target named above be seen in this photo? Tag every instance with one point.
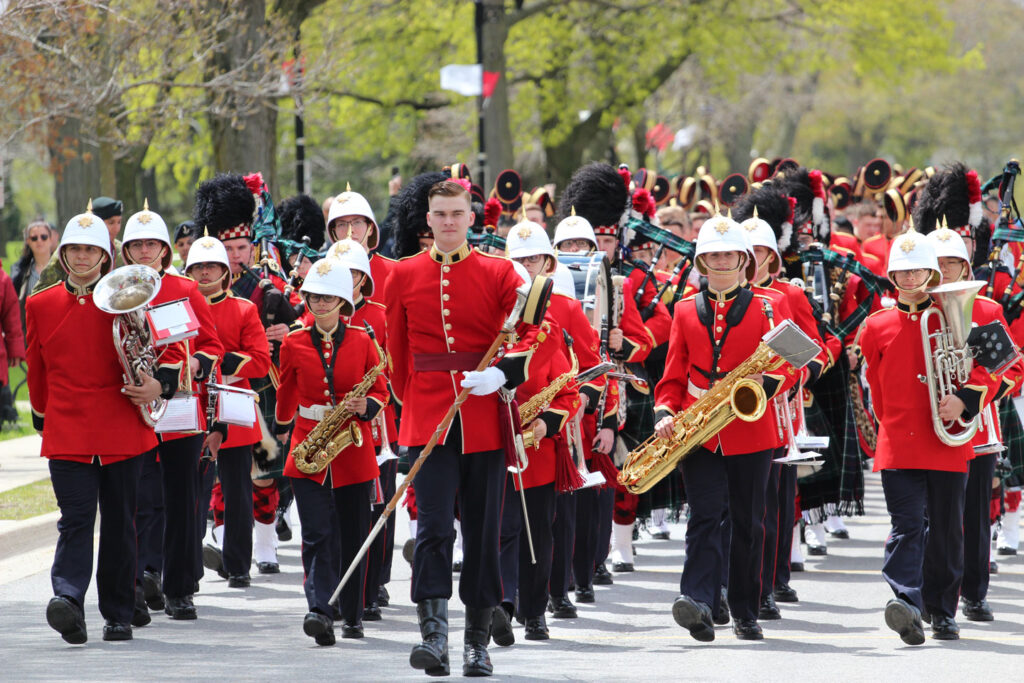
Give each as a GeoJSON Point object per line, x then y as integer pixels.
{"type": "Point", "coordinates": [734, 396]}
{"type": "Point", "coordinates": [337, 431]}
{"type": "Point", "coordinates": [125, 292]}
{"type": "Point", "coordinates": [947, 357]}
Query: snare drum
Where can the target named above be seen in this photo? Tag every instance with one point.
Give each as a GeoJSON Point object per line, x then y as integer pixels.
{"type": "Point", "coordinates": [593, 283]}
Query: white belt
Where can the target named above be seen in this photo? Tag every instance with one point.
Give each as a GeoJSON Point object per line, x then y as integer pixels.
{"type": "Point", "coordinates": [696, 391]}
{"type": "Point", "coordinates": [314, 412]}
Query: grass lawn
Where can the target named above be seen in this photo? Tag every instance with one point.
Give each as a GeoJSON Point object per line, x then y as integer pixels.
{"type": "Point", "coordinates": [27, 501]}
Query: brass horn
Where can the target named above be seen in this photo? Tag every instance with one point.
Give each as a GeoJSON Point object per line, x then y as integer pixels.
{"type": "Point", "coordinates": [126, 292]}
{"type": "Point", "coordinates": [947, 357]}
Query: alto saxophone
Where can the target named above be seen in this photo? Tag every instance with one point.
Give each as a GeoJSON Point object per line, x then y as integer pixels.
{"type": "Point", "coordinates": [337, 431]}
{"type": "Point", "coordinates": [539, 402]}
{"type": "Point", "coordinates": [734, 396]}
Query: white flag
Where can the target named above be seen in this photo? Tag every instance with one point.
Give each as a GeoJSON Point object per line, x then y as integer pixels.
{"type": "Point", "coordinates": [465, 79]}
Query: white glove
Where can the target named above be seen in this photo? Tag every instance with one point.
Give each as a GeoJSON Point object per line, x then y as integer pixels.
{"type": "Point", "coordinates": [485, 382]}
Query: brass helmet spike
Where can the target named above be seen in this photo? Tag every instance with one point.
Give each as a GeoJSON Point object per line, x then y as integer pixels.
{"type": "Point", "coordinates": [145, 204]}
{"type": "Point", "coordinates": [728, 213]}
{"type": "Point", "coordinates": [572, 211]}
{"type": "Point", "coordinates": [755, 210]}
{"type": "Point", "coordinates": [88, 207]}
{"type": "Point", "coordinates": [910, 223]}
{"type": "Point", "coordinates": [348, 187]}
{"type": "Point", "coordinates": [206, 231]}
{"type": "Point", "coordinates": [945, 225]}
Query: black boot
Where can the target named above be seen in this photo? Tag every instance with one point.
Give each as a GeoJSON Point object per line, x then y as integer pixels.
{"type": "Point", "coordinates": [475, 660]}
{"type": "Point", "coordinates": [432, 654]}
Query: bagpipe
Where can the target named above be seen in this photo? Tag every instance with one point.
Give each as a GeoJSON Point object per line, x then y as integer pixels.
{"type": "Point", "coordinates": [484, 239]}
{"type": "Point", "coordinates": [1008, 229]}
{"type": "Point", "coordinates": [876, 286]}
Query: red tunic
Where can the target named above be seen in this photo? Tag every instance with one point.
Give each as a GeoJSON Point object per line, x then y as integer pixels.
{"type": "Point", "coordinates": [568, 313]}
{"type": "Point", "coordinates": [246, 355]}
{"type": "Point", "coordinates": [450, 305]}
{"type": "Point", "coordinates": [660, 321]}
{"type": "Point", "coordinates": [303, 383]}
{"type": "Point", "coordinates": [75, 380]}
{"type": "Point", "coordinates": [205, 347]}
{"type": "Point", "coordinates": [892, 348]}
{"type": "Point", "coordinates": [549, 361]}
{"type": "Point", "coordinates": [371, 312]}
{"type": "Point", "coordinates": [875, 254]}
{"type": "Point", "coordinates": [690, 351]}
{"type": "Point", "coordinates": [380, 271]}
{"type": "Point", "coordinates": [1010, 381]}
{"type": "Point", "coordinates": [844, 241]}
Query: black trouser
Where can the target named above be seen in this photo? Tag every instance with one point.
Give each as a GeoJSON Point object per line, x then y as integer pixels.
{"type": "Point", "coordinates": [924, 563]}
{"type": "Point", "coordinates": [977, 530]}
{"type": "Point", "coordinates": [378, 557]}
{"type": "Point", "coordinates": [179, 465]}
{"type": "Point", "coordinates": [772, 524]}
{"type": "Point", "coordinates": [511, 528]}
{"type": "Point", "coordinates": [207, 477]}
{"type": "Point", "coordinates": [787, 519]}
{"type": "Point", "coordinates": [149, 516]}
{"type": "Point", "coordinates": [478, 481]}
{"type": "Point", "coordinates": [533, 578]}
{"type": "Point", "coordinates": [713, 483]}
{"type": "Point", "coordinates": [585, 540]}
{"type": "Point", "coordinates": [328, 517]}
{"type": "Point", "coordinates": [605, 510]}
{"type": "Point", "coordinates": [78, 487]}
{"type": "Point", "coordinates": [564, 538]}
{"type": "Point", "coordinates": [234, 468]}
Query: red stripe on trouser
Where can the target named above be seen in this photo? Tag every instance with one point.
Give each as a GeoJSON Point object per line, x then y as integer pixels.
{"type": "Point", "coordinates": [264, 503]}
{"type": "Point", "coordinates": [1012, 500]}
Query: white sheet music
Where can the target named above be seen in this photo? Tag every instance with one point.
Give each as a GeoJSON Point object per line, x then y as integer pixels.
{"type": "Point", "coordinates": [182, 415]}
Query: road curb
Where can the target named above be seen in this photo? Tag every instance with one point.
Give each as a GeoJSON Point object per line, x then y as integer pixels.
{"type": "Point", "coordinates": [26, 535]}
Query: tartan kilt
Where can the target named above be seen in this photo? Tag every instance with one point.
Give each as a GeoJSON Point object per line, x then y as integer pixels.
{"type": "Point", "coordinates": [262, 467]}
{"type": "Point", "coordinates": [1013, 439]}
{"type": "Point", "coordinates": [838, 487]}
{"type": "Point", "coordinates": [637, 428]}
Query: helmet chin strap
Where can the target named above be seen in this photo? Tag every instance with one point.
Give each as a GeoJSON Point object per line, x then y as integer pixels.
{"type": "Point", "coordinates": [723, 273]}
{"type": "Point", "coordinates": [86, 275]}
{"type": "Point", "coordinates": [320, 317]}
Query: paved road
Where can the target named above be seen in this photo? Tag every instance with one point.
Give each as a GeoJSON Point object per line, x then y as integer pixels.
{"type": "Point", "coordinates": [836, 630]}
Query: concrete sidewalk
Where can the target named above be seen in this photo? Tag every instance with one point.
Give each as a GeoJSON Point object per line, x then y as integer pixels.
{"type": "Point", "coordinates": [21, 464]}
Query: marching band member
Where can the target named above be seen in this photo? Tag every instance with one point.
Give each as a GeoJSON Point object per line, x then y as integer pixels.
{"type": "Point", "coordinates": [93, 446]}
{"type": "Point", "coordinates": [921, 475]}
{"type": "Point", "coordinates": [712, 333]}
{"type": "Point", "coordinates": [334, 502]}
{"type": "Point", "coordinates": [146, 242]}
{"type": "Point", "coordinates": [368, 312]}
{"type": "Point", "coordinates": [574, 234]}
{"type": "Point", "coordinates": [947, 195]}
{"type": "Point", "coordinates": [445, 306]}
{"type": "Point", "coordinates": [245, 356]}
{"type": "Point", "coordinates": [226, 205]}
{"type": "Point", "coordinates": [763, 212]}
{"type": "Point", "coordinates": [527, 244]}
{"type": "Point", "coordinates": [352, 217]}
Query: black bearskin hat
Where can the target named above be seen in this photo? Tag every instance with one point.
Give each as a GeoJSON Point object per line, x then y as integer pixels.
{"type": "Point", "coordinates": [797, 184]}
{"type": "Point", "coordinates": [597, 193]}
{"type": "Point", "coordinates": [223, 203]}
{"type": "Point", "coordinates": [772, 207]}
{"type": "Point", "coordinates": [302, 217]}
{"type": "Point", "coordinates": [411, 207]}
{"type": "Point", "coordinates": [948, 195]}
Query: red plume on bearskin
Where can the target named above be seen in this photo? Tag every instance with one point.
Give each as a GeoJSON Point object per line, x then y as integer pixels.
{"type": "Point", "coordinates": [465, 183]}
{"type": "Point", "coordinates": [627, 178]}
{"type": "Point", "coordinates": [492, 212]}
{"type": "Point", "coordinates": [254, 181]}
{"type": "Point", "coordinates": [974, 197]}
{"type": "Point", "coordinates": [643, 203]}
{"type": "Point", "coordinates": [818, 188]}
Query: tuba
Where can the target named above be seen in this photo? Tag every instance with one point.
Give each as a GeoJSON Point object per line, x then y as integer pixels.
{"type": "Point", "coordinates": [126, 292]}
{"type": "Point", "coordinates": [947, 357]}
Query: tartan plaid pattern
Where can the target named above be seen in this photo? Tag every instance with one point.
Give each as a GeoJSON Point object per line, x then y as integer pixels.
{"type": "Point", "coordinates": [264, 503]}
{"type": "Point", "coordinates": [1013, 439]}
{"type": "Point", "coordinates": [838, 487]}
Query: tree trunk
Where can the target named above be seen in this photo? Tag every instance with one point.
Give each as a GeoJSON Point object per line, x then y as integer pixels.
{"type": "Point", "coordinates": [76, 166]}
{"type": "Point", "coordinates": [128, 170]}
{"type": "Point", "coordinates": [244, 140]}
{"type": "Point", "coordinates": [497, 129]}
